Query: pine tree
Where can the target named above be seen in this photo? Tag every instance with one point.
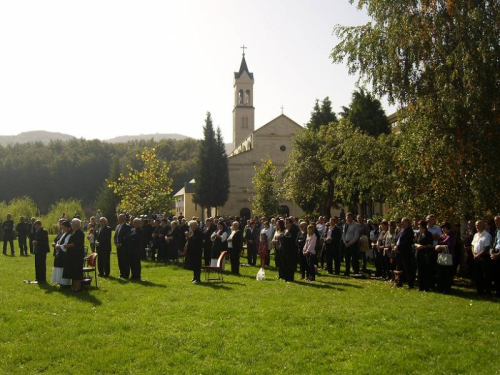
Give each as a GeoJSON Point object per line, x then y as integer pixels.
{"type": "Point", "coordinates": [206, 176]}
{"type": "Point", "coordinates": [222, 172]}
{"type": "Point", "coordinates": [321, 115]}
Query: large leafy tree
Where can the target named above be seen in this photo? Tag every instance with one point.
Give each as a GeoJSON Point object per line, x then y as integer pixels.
{"type": "Point", "coordinates": [148, 188]}
{"type": "Point", "coordinates": [107, 200]}
{"type": "Point", "coordinates": [366, 112]}
{"type": "Point", "coordinates": [438, 59]}
{"type": "Point", "coordinates": [321, 115]}
{"type": "Point", "coordinates": [266, 200]}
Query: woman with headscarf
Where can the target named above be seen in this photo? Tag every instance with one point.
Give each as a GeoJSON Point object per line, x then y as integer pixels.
{"type": "Point", "coordinates": [60, 255]}
{"type": "Point", "coordinates": [73, 267]}
{"type": "Point", "coordinates": [219, 242]}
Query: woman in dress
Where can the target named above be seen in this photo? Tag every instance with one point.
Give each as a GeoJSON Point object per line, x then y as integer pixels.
{"type": "Point", "coordinates": [73, 267]}
{"type": "Point", "coordinates": [424, 247]}
{"type": "Point", "coordinates": [60, 255]}
{"type": "Point", "coordinates": [277, 239]}
{"type": "Point", "coordinates": [219, 242]}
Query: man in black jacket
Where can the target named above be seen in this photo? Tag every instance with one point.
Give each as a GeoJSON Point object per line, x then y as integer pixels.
{"type": "Point", "coordinates": [404, 253]}
{"type": "Point", "coordinates": [31, 234]}
{"type": "Point", "coordinates": [122, 246]}
{"type": "Point", "coordinates": [252, 240]}
{"type": "Point", "coordinates": [8, 234]}
{"type": "Point", "coordinates": [136, 238]}
{"type": "Point", "coordinates": [235, 244]}
{"type": "Point", "coordinates": [41, 243]}
{"type": "Point", "coordinates": [332, 237]}
{"type": "Point", "coordinates": [103, 245]}
{"type": "Point", "coordinates": [22, 233]}
{"type": "Point", "coordinates": [194, 249]}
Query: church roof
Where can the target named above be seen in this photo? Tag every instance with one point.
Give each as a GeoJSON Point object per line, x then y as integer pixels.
{"type": "Point", "coordinates": [243, 68]}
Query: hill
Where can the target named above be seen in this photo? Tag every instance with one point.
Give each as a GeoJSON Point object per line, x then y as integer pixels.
{"type": "Point", "coordinates": [146, 137]}
{"type": "Point", "coordinates": [34, 136]}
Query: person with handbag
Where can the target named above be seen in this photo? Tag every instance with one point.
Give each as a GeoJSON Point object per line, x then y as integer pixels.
{"type": "Point", "coordinates": [446, 246]}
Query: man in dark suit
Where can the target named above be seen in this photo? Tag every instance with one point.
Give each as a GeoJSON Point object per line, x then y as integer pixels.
{"type": "Point", "coordinates": [122, 246]}
{"type": "Point", "coordinates": [404, 253]}
{"type": "Point", "coordinates": [252, 240]}
{"type": "Point", "coordinates": [22, 233]}
{"type": "Point", "coordinates": [31, 234]}
{"type": "Point", "coordinates": [136, 237]}
{"type": "Point", "coordinates": [235, 244]}
{"type": "Point", "coordinates": [332, 237]}
{"type": "Point", "coordinates": [103, 245]}
{"type": "Point", "coordinates": [8, 234]}
{"type": "Point", "coordinates": [41, 243]}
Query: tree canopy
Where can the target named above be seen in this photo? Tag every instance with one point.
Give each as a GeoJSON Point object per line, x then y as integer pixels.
{"type": "Point", "coordinates": [321, 114]}
{"type": "Point", "coordinates": [266, 200]}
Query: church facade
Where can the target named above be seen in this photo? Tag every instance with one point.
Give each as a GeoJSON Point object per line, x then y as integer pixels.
{"type": "Point", "coordinates": [250, 147]}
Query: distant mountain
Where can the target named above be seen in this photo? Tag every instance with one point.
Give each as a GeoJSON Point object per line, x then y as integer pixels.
{"type": "Point", "coordinates": [34, 136]}
{"type": "Point", "coordinates": [146, 137]}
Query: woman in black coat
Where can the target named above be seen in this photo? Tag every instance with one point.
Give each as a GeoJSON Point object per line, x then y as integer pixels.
{"type": "Point", "coordinates": [425, 249]}
{"type": "Point", "coordinates": [194, 250]}
{"type": "Point", "coordinates": [288, 253]}
{"type": "Point", "coordinates": [174, 245]}
{"type": "Point", "coordinates": [73, 268]}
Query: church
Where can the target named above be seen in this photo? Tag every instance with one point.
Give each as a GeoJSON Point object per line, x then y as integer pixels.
{"type": "Point", "coordinates": [250, 147]}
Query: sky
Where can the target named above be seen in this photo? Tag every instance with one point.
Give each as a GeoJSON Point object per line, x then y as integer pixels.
{"type": "Point", "coordinates": [101, 69]}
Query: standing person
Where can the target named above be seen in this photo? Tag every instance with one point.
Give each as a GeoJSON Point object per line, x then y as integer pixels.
{"type": "Point", "coordinates": [235, 244]}
{"type": "Point", "coordinates": [301, 241]}
{"type": "Point", "coordinates": [135, 237]}
{"type": "Point", "coordinates": [194, 249]}
{"type": "Point", "coordinates": [155, 235]}
{"type": "Point", "coordinates": [60, 255]}
{"type": "Point", "coordinates": [350, 244]}
{"type": "Point", "coordinates": [22, 233]}
{"type": "Point", "coordinates": [31, 234]}
{"type": "Point", "coordinates": [122, 246]}
{"type": "Point", "coordinates": [209, 229]}
{"type": "Point", "coordinates": [263, 250]}
{"type": "Point", "coordinates": [404, 248]}
{"type": "Point", "coordinates": [252, 240]}
{"type": "Point", "coordinates": [147, 230]}
{"type": "Point", "coordinates": [364, 241]}
{"type": "Point", "coordinates": [103, 245]}
{"type": "Point", "coordinates": [436, 232]}
{"type": "Point", "coordinates": [481, 245]}
{"type": "Point", "coordinates": [332, 239]}
{"type": "Point", "coordinates": [424, 247]}
{"type": "Point", "coordinates": [268, 230]}
{"type": "Point", "coordinates": [219, 242]}
{"type": "Point", "coordinates": [173, 239]}
{"type": "Point", "coordinates": [445, 273]}
{"type": "Point", "coordinates": [379, 251]}
{"type": "Point", "coordinates": [288, 252]}
{"type": "Point", "coordinates": [342, 215]}
{"type": "Point", "coordinates": [8, 234]}
{"type": "Point", "coordinates": [310, 252]}
{"type": "Point", "coordinates": [278, 235]}
{"type": "Point", "coordinates": [495, 258]}
{"type": "Point", "coordinates": [73, 268]}
{"type": "Point", "coordinates": [41, 248]}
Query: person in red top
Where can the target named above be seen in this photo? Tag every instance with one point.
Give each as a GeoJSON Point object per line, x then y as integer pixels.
{"type": "Point", "coordinates": [263, 249]}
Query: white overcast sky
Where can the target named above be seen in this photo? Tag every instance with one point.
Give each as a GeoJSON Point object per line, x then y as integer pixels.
{"type": "Point", "coordinates": [100, 69]}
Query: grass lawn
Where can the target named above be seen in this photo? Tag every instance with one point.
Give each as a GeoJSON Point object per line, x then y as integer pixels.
{"type": "Point", "coordinates": [166, 325]}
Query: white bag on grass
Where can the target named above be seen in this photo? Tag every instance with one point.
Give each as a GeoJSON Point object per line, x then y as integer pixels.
{"type": "Point", "coordinates": [261, 275]}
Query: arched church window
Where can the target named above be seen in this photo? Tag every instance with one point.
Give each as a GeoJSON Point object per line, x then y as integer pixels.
{"type": "Point", "coordinates": [240, 97]}
{"type": "Point", "coordinates": [247, 97]}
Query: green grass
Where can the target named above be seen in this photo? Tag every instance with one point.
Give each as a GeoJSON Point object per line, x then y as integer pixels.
{"type": "Point", "coordinates": [166, 325]}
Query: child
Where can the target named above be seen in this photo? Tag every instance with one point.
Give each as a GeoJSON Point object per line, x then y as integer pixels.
{"type": "Point", "coordinates": [263, 249]}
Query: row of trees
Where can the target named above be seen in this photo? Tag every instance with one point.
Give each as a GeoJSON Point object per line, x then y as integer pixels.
{"type": "Point", "coordinates": [438, 60]}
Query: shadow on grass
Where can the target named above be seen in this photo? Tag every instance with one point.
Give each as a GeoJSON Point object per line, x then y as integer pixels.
{"type": "Point", "coordinates": [215, 285]}
{"type": "Point", "coordinates": [84, 295]}
{"type": "Point", "coordinates": [139, 282]}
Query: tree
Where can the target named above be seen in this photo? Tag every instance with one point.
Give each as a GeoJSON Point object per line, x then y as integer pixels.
{"type": "Point", "coordinates": [438, 59]}
{"type": "Point", "coordinates": [69, 206]}
{"type": "Point", "coordinates": [366, 113]}
{"type": "Point", "coordinates": [222, 171]}
{"type": "Point", "coordinates": [211, 169]}
{"type": "Point", "coordinates": [266, 200]}
{"type": "Point", "coordinates": [107, 200]}
{"type": "Point", "coordinates": [321, 115]}
{"type": "Point", "coordinates": [148, 189]}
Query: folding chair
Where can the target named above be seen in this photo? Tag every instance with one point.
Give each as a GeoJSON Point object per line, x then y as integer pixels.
{"type": "Point", "coordinates": [90, 265]}
{"type": "Point", "coordinates": [218, 269]}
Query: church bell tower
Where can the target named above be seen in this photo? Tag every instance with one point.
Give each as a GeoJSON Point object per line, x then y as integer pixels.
{"type": "Point", "coordinates": [243, 111]}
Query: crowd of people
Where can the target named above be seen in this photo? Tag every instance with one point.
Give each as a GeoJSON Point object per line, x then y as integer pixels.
{"type": "Point", "coordinates": [413, 252]}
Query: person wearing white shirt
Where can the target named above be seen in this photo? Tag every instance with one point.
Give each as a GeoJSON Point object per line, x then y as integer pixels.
{"type": "Point", "coordinates": [481, 245]}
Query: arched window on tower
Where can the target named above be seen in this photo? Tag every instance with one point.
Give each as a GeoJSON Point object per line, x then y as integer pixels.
{"type": "Point", "coordinates": [240, 97]}
{"type": "Point", "coordinates": [247, 97]}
